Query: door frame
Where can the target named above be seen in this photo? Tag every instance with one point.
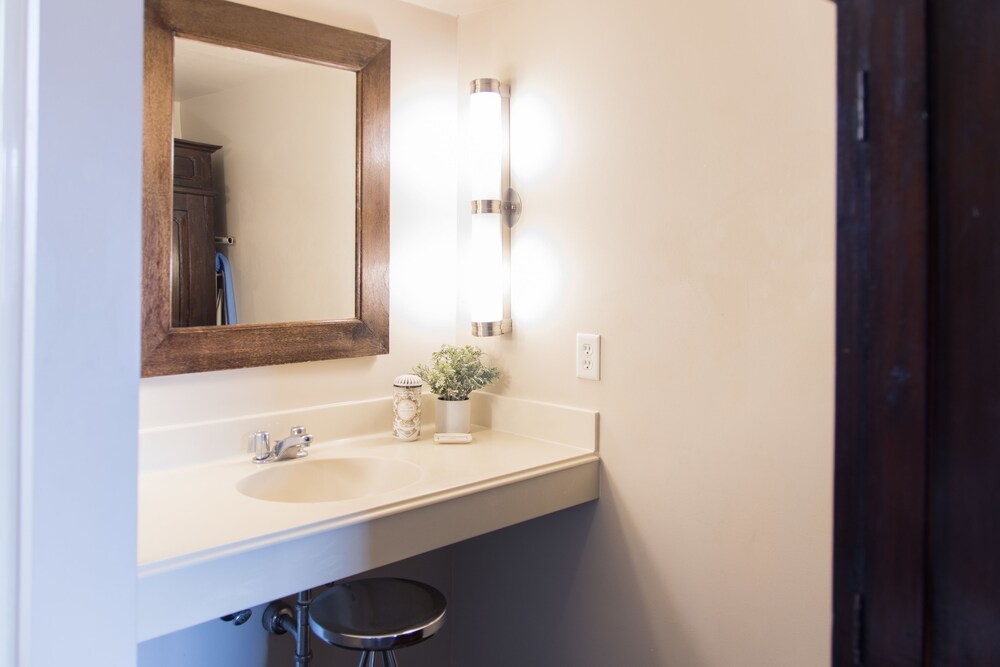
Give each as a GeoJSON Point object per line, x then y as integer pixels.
{"type": "Point", "coordinates": [882, 304]}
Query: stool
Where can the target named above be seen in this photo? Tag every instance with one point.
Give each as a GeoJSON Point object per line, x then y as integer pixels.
{"type": "Point", "coordinates": [376, 616]}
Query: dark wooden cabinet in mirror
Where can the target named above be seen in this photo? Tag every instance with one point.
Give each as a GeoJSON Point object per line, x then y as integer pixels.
{"type": "Point", "coordinates": [192, 240]}
{"type": "Point", "coordinates": [168, 349]}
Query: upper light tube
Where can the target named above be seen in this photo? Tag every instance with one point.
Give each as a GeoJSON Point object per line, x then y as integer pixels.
{"type": "Point", "coordinates": [486, 141]}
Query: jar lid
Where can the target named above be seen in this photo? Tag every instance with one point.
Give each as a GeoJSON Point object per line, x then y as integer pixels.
{"type": "Point", "coordinates": [407, 381]}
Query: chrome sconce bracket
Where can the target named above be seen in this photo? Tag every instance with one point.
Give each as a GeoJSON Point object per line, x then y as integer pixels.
{"type": "Point", "coordinates": [509, 207]}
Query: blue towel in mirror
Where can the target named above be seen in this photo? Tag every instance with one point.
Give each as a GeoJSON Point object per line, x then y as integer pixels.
{"type": "Point", "coordinates": [224, 269]}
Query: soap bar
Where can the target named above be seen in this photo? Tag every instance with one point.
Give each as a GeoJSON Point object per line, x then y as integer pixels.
{"type": "Point", "coordinates": [453, 438]}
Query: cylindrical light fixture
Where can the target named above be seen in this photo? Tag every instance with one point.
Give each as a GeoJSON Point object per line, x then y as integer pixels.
{"type": "Point", "coordinates": [495, 206]}
{"type": "Point", "coordinates": [486, 139]}
{"type": "Point", "coordinates": [487, 305]}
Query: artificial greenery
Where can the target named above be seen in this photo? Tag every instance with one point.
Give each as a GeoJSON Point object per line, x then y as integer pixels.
{"type": "Point", "coordinates": [455, 371]}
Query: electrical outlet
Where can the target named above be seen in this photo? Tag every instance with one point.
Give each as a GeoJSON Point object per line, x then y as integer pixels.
{"type": "Point", "coordinates": [588, 356]}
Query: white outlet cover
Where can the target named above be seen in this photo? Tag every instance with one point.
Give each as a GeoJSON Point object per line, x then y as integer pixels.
{"type": "Point", "coordinates": [588, 356]}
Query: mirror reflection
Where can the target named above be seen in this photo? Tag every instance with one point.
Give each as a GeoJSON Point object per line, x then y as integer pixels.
{"type": "Point", "coordinates": [265, 177]}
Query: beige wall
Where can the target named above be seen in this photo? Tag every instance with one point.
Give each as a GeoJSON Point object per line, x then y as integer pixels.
{"type": "Point", "coordinates": [287, 165]}
{"type": "Point", "coordinates": [676, 162]}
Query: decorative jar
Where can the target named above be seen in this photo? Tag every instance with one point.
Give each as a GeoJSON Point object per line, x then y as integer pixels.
{"type": "Point", "coordinates": [406, 407]}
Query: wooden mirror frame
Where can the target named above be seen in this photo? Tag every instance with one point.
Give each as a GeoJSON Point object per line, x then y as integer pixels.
{"type": "Point", "coordinates": [167, 350]}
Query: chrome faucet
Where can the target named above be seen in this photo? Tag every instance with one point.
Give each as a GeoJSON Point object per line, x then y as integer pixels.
{"type": "Point", "coordinates": [292, 447]}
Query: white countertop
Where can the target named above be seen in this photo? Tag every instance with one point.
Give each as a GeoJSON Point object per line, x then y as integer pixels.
{"type": "Point", "coordinates": [189, 514]}
{"type": "Point", "coordinates": [206, 550]}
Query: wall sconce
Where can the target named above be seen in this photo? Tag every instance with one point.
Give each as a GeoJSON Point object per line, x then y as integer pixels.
{"type": "Point", "coordinates": [495, 206]}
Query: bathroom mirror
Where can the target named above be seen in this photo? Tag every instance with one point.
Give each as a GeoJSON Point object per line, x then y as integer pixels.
{"type": "Point", "coordinates": [282, 184]}
{"type": "Point", "coordinates": [168, 346]}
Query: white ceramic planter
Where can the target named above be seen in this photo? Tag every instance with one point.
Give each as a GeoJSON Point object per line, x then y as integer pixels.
{"type": "Point", "coordinates": [452, 416]}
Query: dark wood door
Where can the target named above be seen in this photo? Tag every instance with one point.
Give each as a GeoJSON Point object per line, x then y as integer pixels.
{"type": "Point", "coordinates": [192, 243]}
{"type": "Point", "coordinates": [964, 416]}
{"type": "Point", "coordinates": [917, 525]}
{"type": "Point", "coordinates": [192, 261]}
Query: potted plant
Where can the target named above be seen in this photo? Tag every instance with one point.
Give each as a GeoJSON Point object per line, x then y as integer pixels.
{"type": "Point", "coordinates": [454, 372]}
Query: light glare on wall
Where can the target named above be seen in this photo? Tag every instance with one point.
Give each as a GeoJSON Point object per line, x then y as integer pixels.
{"type": "Point", "coordinates": [495, 206]}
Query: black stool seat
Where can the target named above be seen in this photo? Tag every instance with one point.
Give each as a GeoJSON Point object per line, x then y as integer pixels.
{"type": "Point", "coordinates": [378, 614]}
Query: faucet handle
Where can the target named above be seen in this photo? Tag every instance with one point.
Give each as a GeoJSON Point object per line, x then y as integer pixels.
{"type": "Point", "coordinates": [298, 430]}
{"type": "Point", "coordinates": [259, 444]}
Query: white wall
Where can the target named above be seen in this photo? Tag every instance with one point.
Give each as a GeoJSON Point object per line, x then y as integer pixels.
{"type": "Point", "coordinates": [13, 77]}
{"type": "Point", "coordinates": [287, 169]}
{"type": "Point", "coordinates": [80, 342]}
{"type": "Point", "coordinates": [676, 162]}
{"type": "Point", "coordinates": [422, 268]}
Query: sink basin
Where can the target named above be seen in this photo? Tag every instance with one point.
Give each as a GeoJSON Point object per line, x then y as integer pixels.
{"type": "Point", "coordinates": [323, 480]}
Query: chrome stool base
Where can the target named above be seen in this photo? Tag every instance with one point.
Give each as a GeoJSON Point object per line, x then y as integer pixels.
{"type": "Point", "coordinates": [368, 659]}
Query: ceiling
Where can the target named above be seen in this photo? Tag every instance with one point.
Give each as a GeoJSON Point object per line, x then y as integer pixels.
{"type": "Point", "coordinates": [457, 7]}
{"type": "Point", "coordinates": [201, 68]}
